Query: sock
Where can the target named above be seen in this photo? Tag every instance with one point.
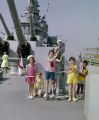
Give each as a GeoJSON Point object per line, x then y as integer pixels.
{"type": "Point", "coordinates": [78, 88]}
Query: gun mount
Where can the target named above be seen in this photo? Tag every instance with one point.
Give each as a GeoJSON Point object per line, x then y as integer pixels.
{"type": "Point", "coordinates": [4, 47]}
{"type": "Point", "coordinates": [23, 48]}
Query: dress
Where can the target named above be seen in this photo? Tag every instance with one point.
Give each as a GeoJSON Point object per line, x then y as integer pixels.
{"type": "Point", "coordinates": [31, 71]}
{"type": "Point", "coordinates": [39, 82]}
{"type": "Point", "coordinates": [72, 77]}
{"type": "Point", "coordinates": [39, 85]}
{"type": "Point", "coordinates": [5, 61]}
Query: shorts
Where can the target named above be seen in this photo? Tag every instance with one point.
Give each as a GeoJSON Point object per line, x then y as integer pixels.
{"type": "Point", "coordinates": [50, 75]}
{"type": "Point", "coordinates": [80, 81]}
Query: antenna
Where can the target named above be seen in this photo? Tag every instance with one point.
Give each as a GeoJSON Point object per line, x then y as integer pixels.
{"type": "Point", "coordinates": [48, 6]}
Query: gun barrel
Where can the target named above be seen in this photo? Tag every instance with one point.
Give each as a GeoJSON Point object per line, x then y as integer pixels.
{"type": "Point", "coordinates": [15, 18]}
{"type": "Point", "coordinates": [5, 26]}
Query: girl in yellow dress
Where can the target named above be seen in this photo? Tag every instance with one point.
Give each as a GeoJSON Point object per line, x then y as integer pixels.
{"type": "Point", "coordinates": [39, 84]}
{"type": "Point", "coordinates": [4, 64]}
{"type": "Point", "coordinates": [72, 79]}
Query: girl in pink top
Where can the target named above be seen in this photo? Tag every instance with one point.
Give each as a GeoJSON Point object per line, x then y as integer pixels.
{"type": "Point", "coordinates": [50, 70]}
{"type": "Point", "coordinates": [30, 75]}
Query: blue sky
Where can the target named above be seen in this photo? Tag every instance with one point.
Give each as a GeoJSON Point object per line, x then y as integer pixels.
{"type": "Point", "coordinates": [74, 21]}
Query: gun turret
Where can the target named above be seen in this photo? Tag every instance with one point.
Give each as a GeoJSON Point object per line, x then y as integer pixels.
{"type": "Point", "coordinates": [4, 47]}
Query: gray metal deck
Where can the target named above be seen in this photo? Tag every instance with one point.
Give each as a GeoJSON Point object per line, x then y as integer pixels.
{"type": "Point", "coordinates": [15, 106]}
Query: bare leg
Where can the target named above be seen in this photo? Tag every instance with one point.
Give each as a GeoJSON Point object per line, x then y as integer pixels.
{"type": "Point", "coordinates": [5, 69]}
{"type": "Point", "coordinates": [32, 89]}
{"type": "Point", "coordinates": [74, 85]}
{"type": "Point", "coordinates": [29, 88]}
{"type": "Point", "coordinates": [52, 84]}
{"type": "Point", "coordinates": [70, 90]}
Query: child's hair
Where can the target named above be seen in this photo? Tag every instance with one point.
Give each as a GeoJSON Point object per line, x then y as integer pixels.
{"type": "Point", "coordinates": [55, 46]}
{"type": "Point", "coordinates": [71, 58]}
{"type": "Point", "coordinates": [86, 62]}
{"type": "Point", "coordinates": [33, 59]}
{"type": "Point", "coordinates": [39, 74]}
{"type": "Point", "coordinates": [51, 51]}
{"type": "Point", "coordinates": [5, 52]}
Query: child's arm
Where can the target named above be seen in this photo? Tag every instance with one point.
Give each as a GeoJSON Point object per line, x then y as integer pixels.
{"type": "Point", "coordinates": [75, 69]}
{"type": "Point", "coordinates": [59, 60]}
{"type": "Point", "coordinates": [83, 74]}
{"type": "Point", "coordinates": [26, 70]}
{"type": "Point", "coordinates": [42, 87]}
{"type": "Point", "coordinates": [69, 71]}
{"type": "Point", "coordinates": [2, 57]}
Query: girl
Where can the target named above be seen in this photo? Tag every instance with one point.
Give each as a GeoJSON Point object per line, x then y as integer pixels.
{"type": "Point", "coordinates": [5, 62]}
{"type": "Point", "coordinates": [30, 75]}
{"type": "Point", "coordinates": [72, 79]}
{"type": "Point", "coordinates": [50, 71]}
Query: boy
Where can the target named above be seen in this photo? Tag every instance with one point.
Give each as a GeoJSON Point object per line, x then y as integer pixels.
{"type": "Point", "coordinates": [81, 77]}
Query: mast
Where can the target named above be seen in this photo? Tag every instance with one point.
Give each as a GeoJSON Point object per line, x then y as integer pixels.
{"type": "Point", "coordinates": [31, 12]}
{"type": "Point", "coordinates": [31, 27]}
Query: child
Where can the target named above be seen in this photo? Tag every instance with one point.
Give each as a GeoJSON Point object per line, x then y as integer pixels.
{"type": "Point", "coordinates": [55, 48]}
{"type": "Point", "coordinates": [39, 84]}
{"type": "Point", "coordinates": [50, 71]}
{"type": "Point", "coordinates": [81, 78]}
{"type": "Point", "coordinates": [30, 72]}
{"type": "Point", "coordinates": [72, 79]}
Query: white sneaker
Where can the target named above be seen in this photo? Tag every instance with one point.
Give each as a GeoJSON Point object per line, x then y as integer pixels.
{"type": "Point", "coordinates": [29, 97]}
{"type": "Point", "coordinates": [45, 95]}
{"type": "Point", "coordinates": [81, 96]}
{"type": "Point", "coordinates": [51, 96]}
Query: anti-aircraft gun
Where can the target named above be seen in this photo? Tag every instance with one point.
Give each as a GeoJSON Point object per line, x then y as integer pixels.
{"type": "Point", "coordinates": [23, 48]}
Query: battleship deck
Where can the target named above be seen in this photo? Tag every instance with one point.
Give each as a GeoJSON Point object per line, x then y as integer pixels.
{"type": "Point", "coordinates": [15, 106]}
